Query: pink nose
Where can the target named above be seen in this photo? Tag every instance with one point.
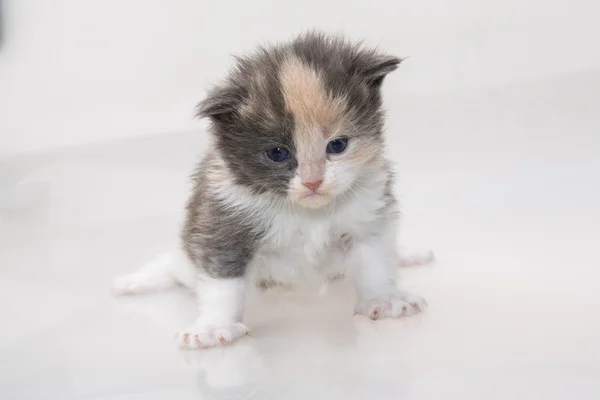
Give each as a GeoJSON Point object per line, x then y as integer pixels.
{"type": "Point", "coordinates": [312, 185]}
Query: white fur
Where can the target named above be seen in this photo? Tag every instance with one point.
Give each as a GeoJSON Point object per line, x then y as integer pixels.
{"type": "Point", "coordinates": [164, 272]}
{"type": "Point", "coordinates": [374, 262]}
{"type": "Point", "coordinates": [413, 257]}
{"type": "Point", "coordinates": [221, 303]}
{"type": "Point", "coordinates": [152, 277]}
{"type": "Point", "coordinates": [302, 247]}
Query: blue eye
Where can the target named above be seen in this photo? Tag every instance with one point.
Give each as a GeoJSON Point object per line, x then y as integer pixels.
{"type": "Point", "coordinates": [337, 146]}
{"type": "Point", "coordinates": [278, 154]}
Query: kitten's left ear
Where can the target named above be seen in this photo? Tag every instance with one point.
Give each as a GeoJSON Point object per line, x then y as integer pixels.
{"type": "Point", "coordinates": [219, 104]}
{"type": "Point", "coordinates": [377, 67]}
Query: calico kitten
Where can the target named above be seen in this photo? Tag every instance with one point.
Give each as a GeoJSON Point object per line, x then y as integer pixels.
{"type": "Point", "coordinates": [294, 190]}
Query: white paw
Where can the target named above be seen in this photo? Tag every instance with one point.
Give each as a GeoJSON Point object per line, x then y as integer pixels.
{"type": "Point", "coordinates": [399, 304]}
{"type": "Point", "coordinates": [152, 277]}
{"type": "Point", "coordinates": [206, 335]}
{"type": "Point", "coordinates": [413, 257]}
{"type": "Point", "coordinates": [141, 282]}
{"type": "Point", "coordinates": [130, 284]}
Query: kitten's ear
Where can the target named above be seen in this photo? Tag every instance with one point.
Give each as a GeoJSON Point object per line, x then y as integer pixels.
{"type": "Point", "coordinates": [219, 104]}
{"type": "Point", "coordinates": [376, 67]}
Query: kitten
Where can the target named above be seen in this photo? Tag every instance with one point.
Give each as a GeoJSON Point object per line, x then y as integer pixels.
{"type": "Point", "coordinates": [294, 190]}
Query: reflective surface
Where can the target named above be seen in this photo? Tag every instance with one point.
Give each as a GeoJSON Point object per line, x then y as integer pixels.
{"type": "Point", "coordinates": [503, 185]}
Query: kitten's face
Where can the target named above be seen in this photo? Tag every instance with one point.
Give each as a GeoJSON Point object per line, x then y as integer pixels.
{"type": "Point", "coordinates": [302, 121]}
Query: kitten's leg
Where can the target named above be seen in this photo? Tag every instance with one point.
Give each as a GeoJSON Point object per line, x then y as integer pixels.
{"type": "Point", "coordinates": [374, 260]}
{"type": "Point", "coordinates": [412, 257]}
{"type": "Point", "coordinates": [163, 273]}
{"type": "Point", "coordinates": [221, 302]}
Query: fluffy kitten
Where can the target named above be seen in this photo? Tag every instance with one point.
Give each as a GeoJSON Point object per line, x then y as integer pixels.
{"type": "Point", "coordinates": [295, 189]}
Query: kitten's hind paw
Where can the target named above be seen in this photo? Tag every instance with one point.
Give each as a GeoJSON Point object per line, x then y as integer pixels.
{"type": "Point", "coordinates": [414, 257]}
{"type": "Point", "coordinates": [153, 277]}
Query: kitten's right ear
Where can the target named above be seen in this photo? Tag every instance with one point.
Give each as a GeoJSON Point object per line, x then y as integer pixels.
{"type": "Point", "coordinates": [219, 104]}
{"type": "Point", "coordinates": [380, 66]}
{"type": "Point", "coordinates": [373, 66]}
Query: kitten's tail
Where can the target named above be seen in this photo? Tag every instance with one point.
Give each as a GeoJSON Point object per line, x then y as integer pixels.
{"type": "Point", "coordinates": [164, 272]}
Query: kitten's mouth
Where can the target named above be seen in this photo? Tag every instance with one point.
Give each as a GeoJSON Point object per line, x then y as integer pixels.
{"type": "Point", "coordinates": [313, 195]}
{"type": "Point", "coordinates": [314, 199]}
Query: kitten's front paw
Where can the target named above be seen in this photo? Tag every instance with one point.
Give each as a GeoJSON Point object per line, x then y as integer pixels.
{"type": "Point", "coordinates": [202, 335]}
{"type": "Point", "coordinates": [399, 304]}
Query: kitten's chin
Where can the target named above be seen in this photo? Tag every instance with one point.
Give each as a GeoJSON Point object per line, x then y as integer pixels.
{"type": "Point", "coordinates": [314, 200]}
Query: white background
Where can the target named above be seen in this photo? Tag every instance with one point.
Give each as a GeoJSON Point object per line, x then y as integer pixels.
{"type": "Point", "coordinates": [73, 71]}
{"type": "Point", "coordinates": [493, 127]}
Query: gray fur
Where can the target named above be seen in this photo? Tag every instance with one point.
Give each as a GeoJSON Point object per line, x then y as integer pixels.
{"type": "Point", "coordinates": [249, 116]}
{"type": "Point", "coordinates": [223, 244]}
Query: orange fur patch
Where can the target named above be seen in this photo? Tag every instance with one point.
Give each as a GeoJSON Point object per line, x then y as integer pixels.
{"type": "Point", "coordinates": [306, 98]}
{"type": "Point", "coordinates": [316, 115]}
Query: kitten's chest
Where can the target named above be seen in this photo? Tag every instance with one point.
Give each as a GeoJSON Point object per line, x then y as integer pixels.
{"type": "Point", "coordinates": [307, 236]}
{"type": "Point", "coordinates": [300, 253]}
{"type": "Point", "coordinates": [310, 248]}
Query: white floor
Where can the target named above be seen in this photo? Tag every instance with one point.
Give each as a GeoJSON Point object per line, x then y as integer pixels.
{"type": "Point", "coordinates": [504, 185]}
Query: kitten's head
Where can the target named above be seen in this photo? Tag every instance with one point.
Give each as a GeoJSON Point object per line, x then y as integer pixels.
{"type": "Point", "coordinates": [301, 120]}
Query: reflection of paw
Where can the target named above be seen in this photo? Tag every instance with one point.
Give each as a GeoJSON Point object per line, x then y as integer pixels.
{"type": "Point", "coordinates": [399, 304]}
{"type": "Point", "coordinates": [414, 257]}
{"type": "Point", "coordinates": [206, 335]}
{"type": "Point", "coordinates": [238, 365]}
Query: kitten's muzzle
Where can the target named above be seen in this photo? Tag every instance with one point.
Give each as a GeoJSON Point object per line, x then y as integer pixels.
{"type": "Point", "coordinates": [313, 186]}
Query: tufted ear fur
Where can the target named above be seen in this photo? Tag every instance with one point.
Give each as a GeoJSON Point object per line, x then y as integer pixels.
{"type": "Point", "coordinates": [375, 67]}
{"type": "Point", "coordinates": [219, 104]}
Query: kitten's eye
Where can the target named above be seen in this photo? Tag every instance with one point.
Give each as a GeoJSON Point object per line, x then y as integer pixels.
{"type": "Point", "coordinates": [337, 146]}
{"type": "Point", "coordinates": [278, 154]}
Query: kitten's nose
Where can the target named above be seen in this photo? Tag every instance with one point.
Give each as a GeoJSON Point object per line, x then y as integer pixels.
{"type": "Point", "coordinates": [312, 185]}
